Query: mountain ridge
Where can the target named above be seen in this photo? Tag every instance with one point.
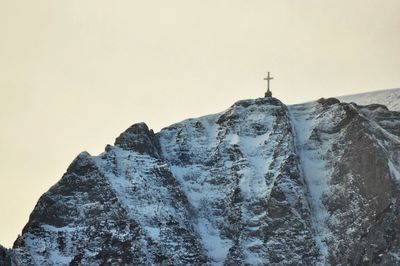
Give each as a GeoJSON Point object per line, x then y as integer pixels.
{"type": "Point", "coordinates": [389, 97]}
{"type": "Point", "coordinates": [260, 183]}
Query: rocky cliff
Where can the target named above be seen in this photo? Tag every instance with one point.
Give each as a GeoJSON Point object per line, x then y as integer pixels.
{"type": "Point", "coordinates": [261, 183]}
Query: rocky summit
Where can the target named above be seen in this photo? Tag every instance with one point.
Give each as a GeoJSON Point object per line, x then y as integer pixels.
{"type": "Point", "coordinates": [261, 183]}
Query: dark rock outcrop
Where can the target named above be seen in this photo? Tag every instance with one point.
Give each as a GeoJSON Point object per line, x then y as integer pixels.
{"type": "Point", "coordinates": [4, 257]}
{"type": "Point", "coordinates": [138, 138]}
{"type": "Point", "coordinates": [328, 101]}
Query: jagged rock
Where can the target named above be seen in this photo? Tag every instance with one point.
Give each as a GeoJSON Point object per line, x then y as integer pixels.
{"type": "Point", "coordinates": [328, 101]}
{"type": "Point", "coordinates": [139, 138]}
{"type": "Point", "coordinates": [261, 183]}
{"type": "Point", "coordinates": [4, 257]}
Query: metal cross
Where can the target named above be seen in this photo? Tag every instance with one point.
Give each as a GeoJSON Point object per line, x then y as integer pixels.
{"type": "Point", "coordinates": [268, 79]}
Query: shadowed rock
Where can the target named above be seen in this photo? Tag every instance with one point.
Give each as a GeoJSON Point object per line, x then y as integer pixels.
{"type": "Point", "coordinates": [138, 138]}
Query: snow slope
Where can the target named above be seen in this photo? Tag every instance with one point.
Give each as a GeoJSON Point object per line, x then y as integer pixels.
{"type": "Point", "coordinates": [390, 98]}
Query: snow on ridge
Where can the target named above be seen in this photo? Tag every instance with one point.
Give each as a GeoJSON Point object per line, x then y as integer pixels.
{"type": "Point", "coordinates": [390, 98]}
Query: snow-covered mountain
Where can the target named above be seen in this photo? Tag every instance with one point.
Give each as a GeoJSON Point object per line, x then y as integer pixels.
{"type": "Point", "coordinates": [390, 98]}
{"type": "Point", "coordinates": [261, 183]}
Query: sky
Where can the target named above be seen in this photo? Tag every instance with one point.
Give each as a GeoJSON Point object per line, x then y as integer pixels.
{"type": "Point", "coordinates": [75, 74]}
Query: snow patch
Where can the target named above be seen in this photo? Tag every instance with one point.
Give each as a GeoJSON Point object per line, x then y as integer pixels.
{"type": "Point", "coordinates": [394, 172]}
{"type": "Point", "coordinates": [216, 246]}
{"type": "Point", "coordinates": [314, 169]}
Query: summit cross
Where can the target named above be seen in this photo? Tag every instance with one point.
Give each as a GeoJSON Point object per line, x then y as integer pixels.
{"type": "Point", "coordinates": [268, 93]}
{"type": "Point", "coordinates": [268, 79]}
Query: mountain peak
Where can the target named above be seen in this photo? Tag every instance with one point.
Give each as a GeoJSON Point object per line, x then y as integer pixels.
{"type": "Point", "coordinates": [140, 138]}
{"type": "Point", "coordinates": [260, 183]}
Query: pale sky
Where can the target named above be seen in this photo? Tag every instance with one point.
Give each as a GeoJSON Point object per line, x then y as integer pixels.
{"type": "Point", "coordinates": [76, 73]}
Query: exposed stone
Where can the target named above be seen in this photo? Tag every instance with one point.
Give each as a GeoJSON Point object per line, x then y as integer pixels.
{"type": "Point", "coordinates": [138, 138]}
{"type": "Point", "coordinates": [4, 257]}
{"type": "Point", "coordinates": [328, 101]}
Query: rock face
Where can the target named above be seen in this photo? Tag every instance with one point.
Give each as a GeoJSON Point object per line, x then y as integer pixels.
{"type": "Point", "coordinates": [259, 184]}
{"type": "Point", "coordinates": [4, 258]}
{"type": "Point", "coordinates": [350, 157]}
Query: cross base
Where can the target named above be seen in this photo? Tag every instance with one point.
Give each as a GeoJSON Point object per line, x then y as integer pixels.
{"type": "Point", "coordinates": [268, 94]}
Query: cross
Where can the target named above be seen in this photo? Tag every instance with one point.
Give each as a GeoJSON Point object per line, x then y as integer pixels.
{"type": "Point", "coordinates": [268, 79]}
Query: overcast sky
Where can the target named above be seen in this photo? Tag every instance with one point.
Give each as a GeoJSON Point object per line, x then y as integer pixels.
{"type": "Point", "coordinates": [76, 73]}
